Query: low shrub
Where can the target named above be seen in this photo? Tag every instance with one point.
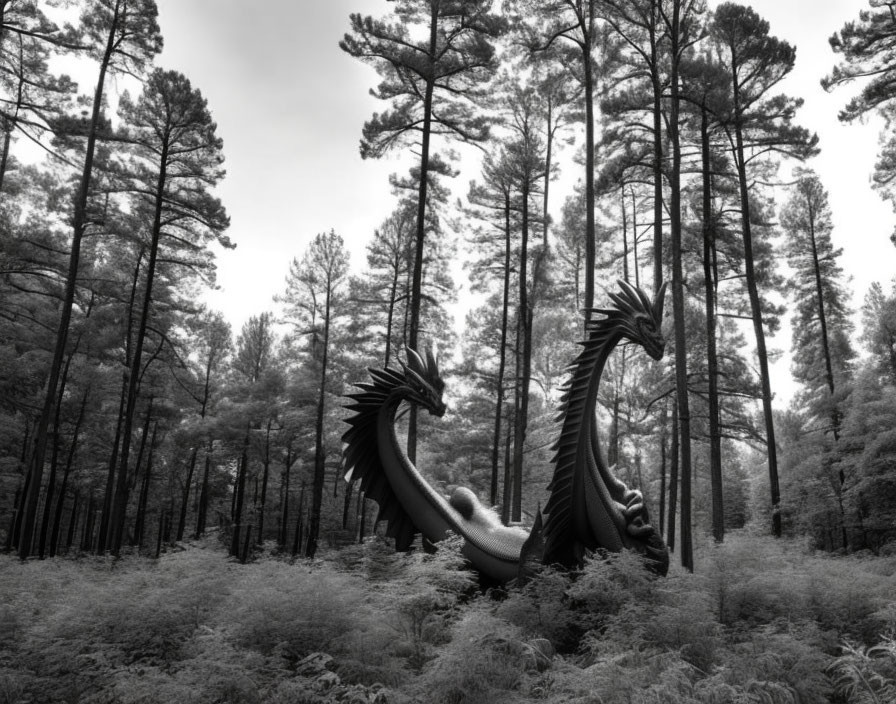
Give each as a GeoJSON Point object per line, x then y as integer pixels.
{"type": "Point", "coordinates": [485, 661]}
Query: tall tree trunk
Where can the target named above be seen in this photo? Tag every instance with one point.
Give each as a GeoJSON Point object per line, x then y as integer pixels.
{"type": "Point", "coordinates": [238, 497]}
{"type": "Point", "coordinates": [161, 532]}
{"type": "Point", "coordinates": [663, 488]}
{"type": "Point", "coordinates": [266, 467]}
{"type": "Point", "coordinates": [524, 361]}
{"type": "Point", "coordinates": [73, 521]}
{"type": "Point", "coordinates": [756, 310]}
{"type": "Point", "coordinates": [182, 521]}
{"type": "Point", "coordinates": [681, 368]}
{"type": "Point", "coordinates": [140, 520]}
{"type": "Point", "coordinates": [54, 463]}
{"type": "Point", "coordinates": [658, 157]}
{"type": "Point", "coordinates": [417, 281]}
{"type": "Point", "coordinates": [4, 156]}
{"type": "Point", "coordinates": [635, 262]}
{"type": "Point", "coordinates": [823, 322]}
{"type": "Point", "coordinates": [73, 446]}
{"type": "Point", "coordinates": [319, 450]}
{"type": "Point", "coordinates": [79, 225]}
{"type": "Point", "coordinates": [87, 535]}
{"type": "Point", "coordinates": [829, 370]}
{"type": "Point", "coordinates": [508, 475]}
{"type": "Point", "coordinates": [590, 231]}
{"type": "Point", "coordinates": [119, 508]}
{"type": "Point", "coordinates": [202, 512]}
{"type": "Point", "coordinates": [132, 480]}
{"type": "Point", "coordinates": [624, 236]}
{"type": "Point", "coordinates": [712, 362]}
{"type": "Point", "coordinates": [673, 480]}
{"type": "Point", "coordinates": [502, 355]}
{"type": "Point", "coordinates": [347, 505]}
{"type": "Point", "coordinates": [300, 523]}
{"type": "Point", "coordinates": [18, 510]}
{"type": "Point", "coordinates": [185, 495]}
{"type": "Point", "coordinates": [284, 504]}
{"type": "Point", "coordinates": [109, 494]}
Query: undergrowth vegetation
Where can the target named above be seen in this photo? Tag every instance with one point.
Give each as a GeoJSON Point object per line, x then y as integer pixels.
{"type": "Point", "coordinates": [758, 622]}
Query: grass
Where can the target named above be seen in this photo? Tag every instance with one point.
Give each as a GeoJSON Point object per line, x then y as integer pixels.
{"type": "Point", "coordinates": [760, 621]}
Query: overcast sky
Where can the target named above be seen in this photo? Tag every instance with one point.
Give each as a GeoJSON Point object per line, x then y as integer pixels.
{"type": "Point", "coordinates": [290, 106]}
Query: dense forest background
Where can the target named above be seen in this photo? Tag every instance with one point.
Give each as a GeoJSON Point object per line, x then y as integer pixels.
{"type": "Point", "coordinates": [134, 421]}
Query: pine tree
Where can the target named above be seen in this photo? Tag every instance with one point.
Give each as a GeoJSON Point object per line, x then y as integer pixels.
{"type": "Point", "coordinates": [868, 54]}
{"type": "Point", "coordinates": [879, 329]}
{"type": "Point", "coordinates": [313, 299]}
{"type": "Point", "coordinates": [822, 320]}
{"type": "Point", "coordinates": [430, 84]}
{"type": "Point", "coordinates": [122, 35]}
{"type": "Point", "coordinates": [756, 62]}
{"type": "Point", "coordinates": [682, 23]}
{"type": "Point", "coordinates": [177, 161]}
{"type": "Point", "coordinates": [569, 28]}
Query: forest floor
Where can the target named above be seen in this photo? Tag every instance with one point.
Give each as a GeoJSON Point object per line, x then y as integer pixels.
{"type": "Point", "coordinates": [759, 621]}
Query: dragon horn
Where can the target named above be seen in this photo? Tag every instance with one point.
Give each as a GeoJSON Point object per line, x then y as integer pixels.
{"type": "Point", "coordinates": [415, 362]}
{"type": "Point", "coordinates": [658, 302]}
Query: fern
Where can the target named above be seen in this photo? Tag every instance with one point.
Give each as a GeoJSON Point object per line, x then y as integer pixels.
{"type": "Point", "coordinates": [866, 675]}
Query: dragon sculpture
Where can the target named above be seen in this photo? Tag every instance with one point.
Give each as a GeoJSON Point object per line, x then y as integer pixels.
{"type": "Point", "coordinates": [588, 509]}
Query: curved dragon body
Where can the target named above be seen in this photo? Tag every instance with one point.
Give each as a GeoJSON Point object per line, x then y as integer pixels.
{"type": "Point", "coordinates": [408, 504]}
{"type": "Point", "coordinates": [588, 508]}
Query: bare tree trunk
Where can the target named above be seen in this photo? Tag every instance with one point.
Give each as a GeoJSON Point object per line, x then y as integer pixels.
{"type": "Point", "coordinates": [109, 494]}
{"type": "Point", "coordinates": [758, 325]}
{"type": "Point", "coordinates": [264, 482]}
{"type": "Point", "coordinates": [119, 507]}
{"type": "Point", "coordinates": [319, 450]}
{"type": "Point", "coordinates": [502, 356]}
{"type": "Point", "coordinates": [284, 504]}
{"type": "Point", "coordinates": [140, 521]}
{"type": "Point", "coordinates": [681, 369]}
{"type": "Point", "coordinates": [202, 513]}
{"type": "Point", "coordinates": [524, 360]}
{"type": "Point", "coordinates": [239, 494]}
{"type": "Point", "coordinates": [57, 519]}
{"type": "Point", "coordinates": [73, 521]}
{"type": "Point", "coordinates": [712, 362]}
{"type": "Point", "coordinates": [417, 281]}
{"type": "Point", "coordinates": [300, 523]}
{"type": "Point", "coordinates": [590, 230]}
{"type": "Point", "coordinates": [663, 488]}
{"type": "Point", "coordinates": [673, 480]}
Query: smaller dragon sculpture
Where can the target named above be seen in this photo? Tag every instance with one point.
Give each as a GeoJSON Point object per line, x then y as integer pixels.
{"type": "Point", "coordinates": [588, 509]}
{"type": "Point", "coordinates": [408, 504]}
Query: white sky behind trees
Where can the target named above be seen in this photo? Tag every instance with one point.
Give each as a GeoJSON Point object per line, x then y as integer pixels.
{"type": "Point", "coordinates": [290, 105]}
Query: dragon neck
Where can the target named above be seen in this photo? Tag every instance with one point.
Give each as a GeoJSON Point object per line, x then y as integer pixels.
{"type": "Point", "coordinates": [580, 407]}
{"type": "Point", "coordinates": [580, 479]}
{"type": "Point", "coordinates": [428, 509]}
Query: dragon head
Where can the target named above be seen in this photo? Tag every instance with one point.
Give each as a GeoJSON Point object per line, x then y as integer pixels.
{"type": "Point", "coordinates": [423, 385]}
{"type": "Point", "coordinates": [641, 319]}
